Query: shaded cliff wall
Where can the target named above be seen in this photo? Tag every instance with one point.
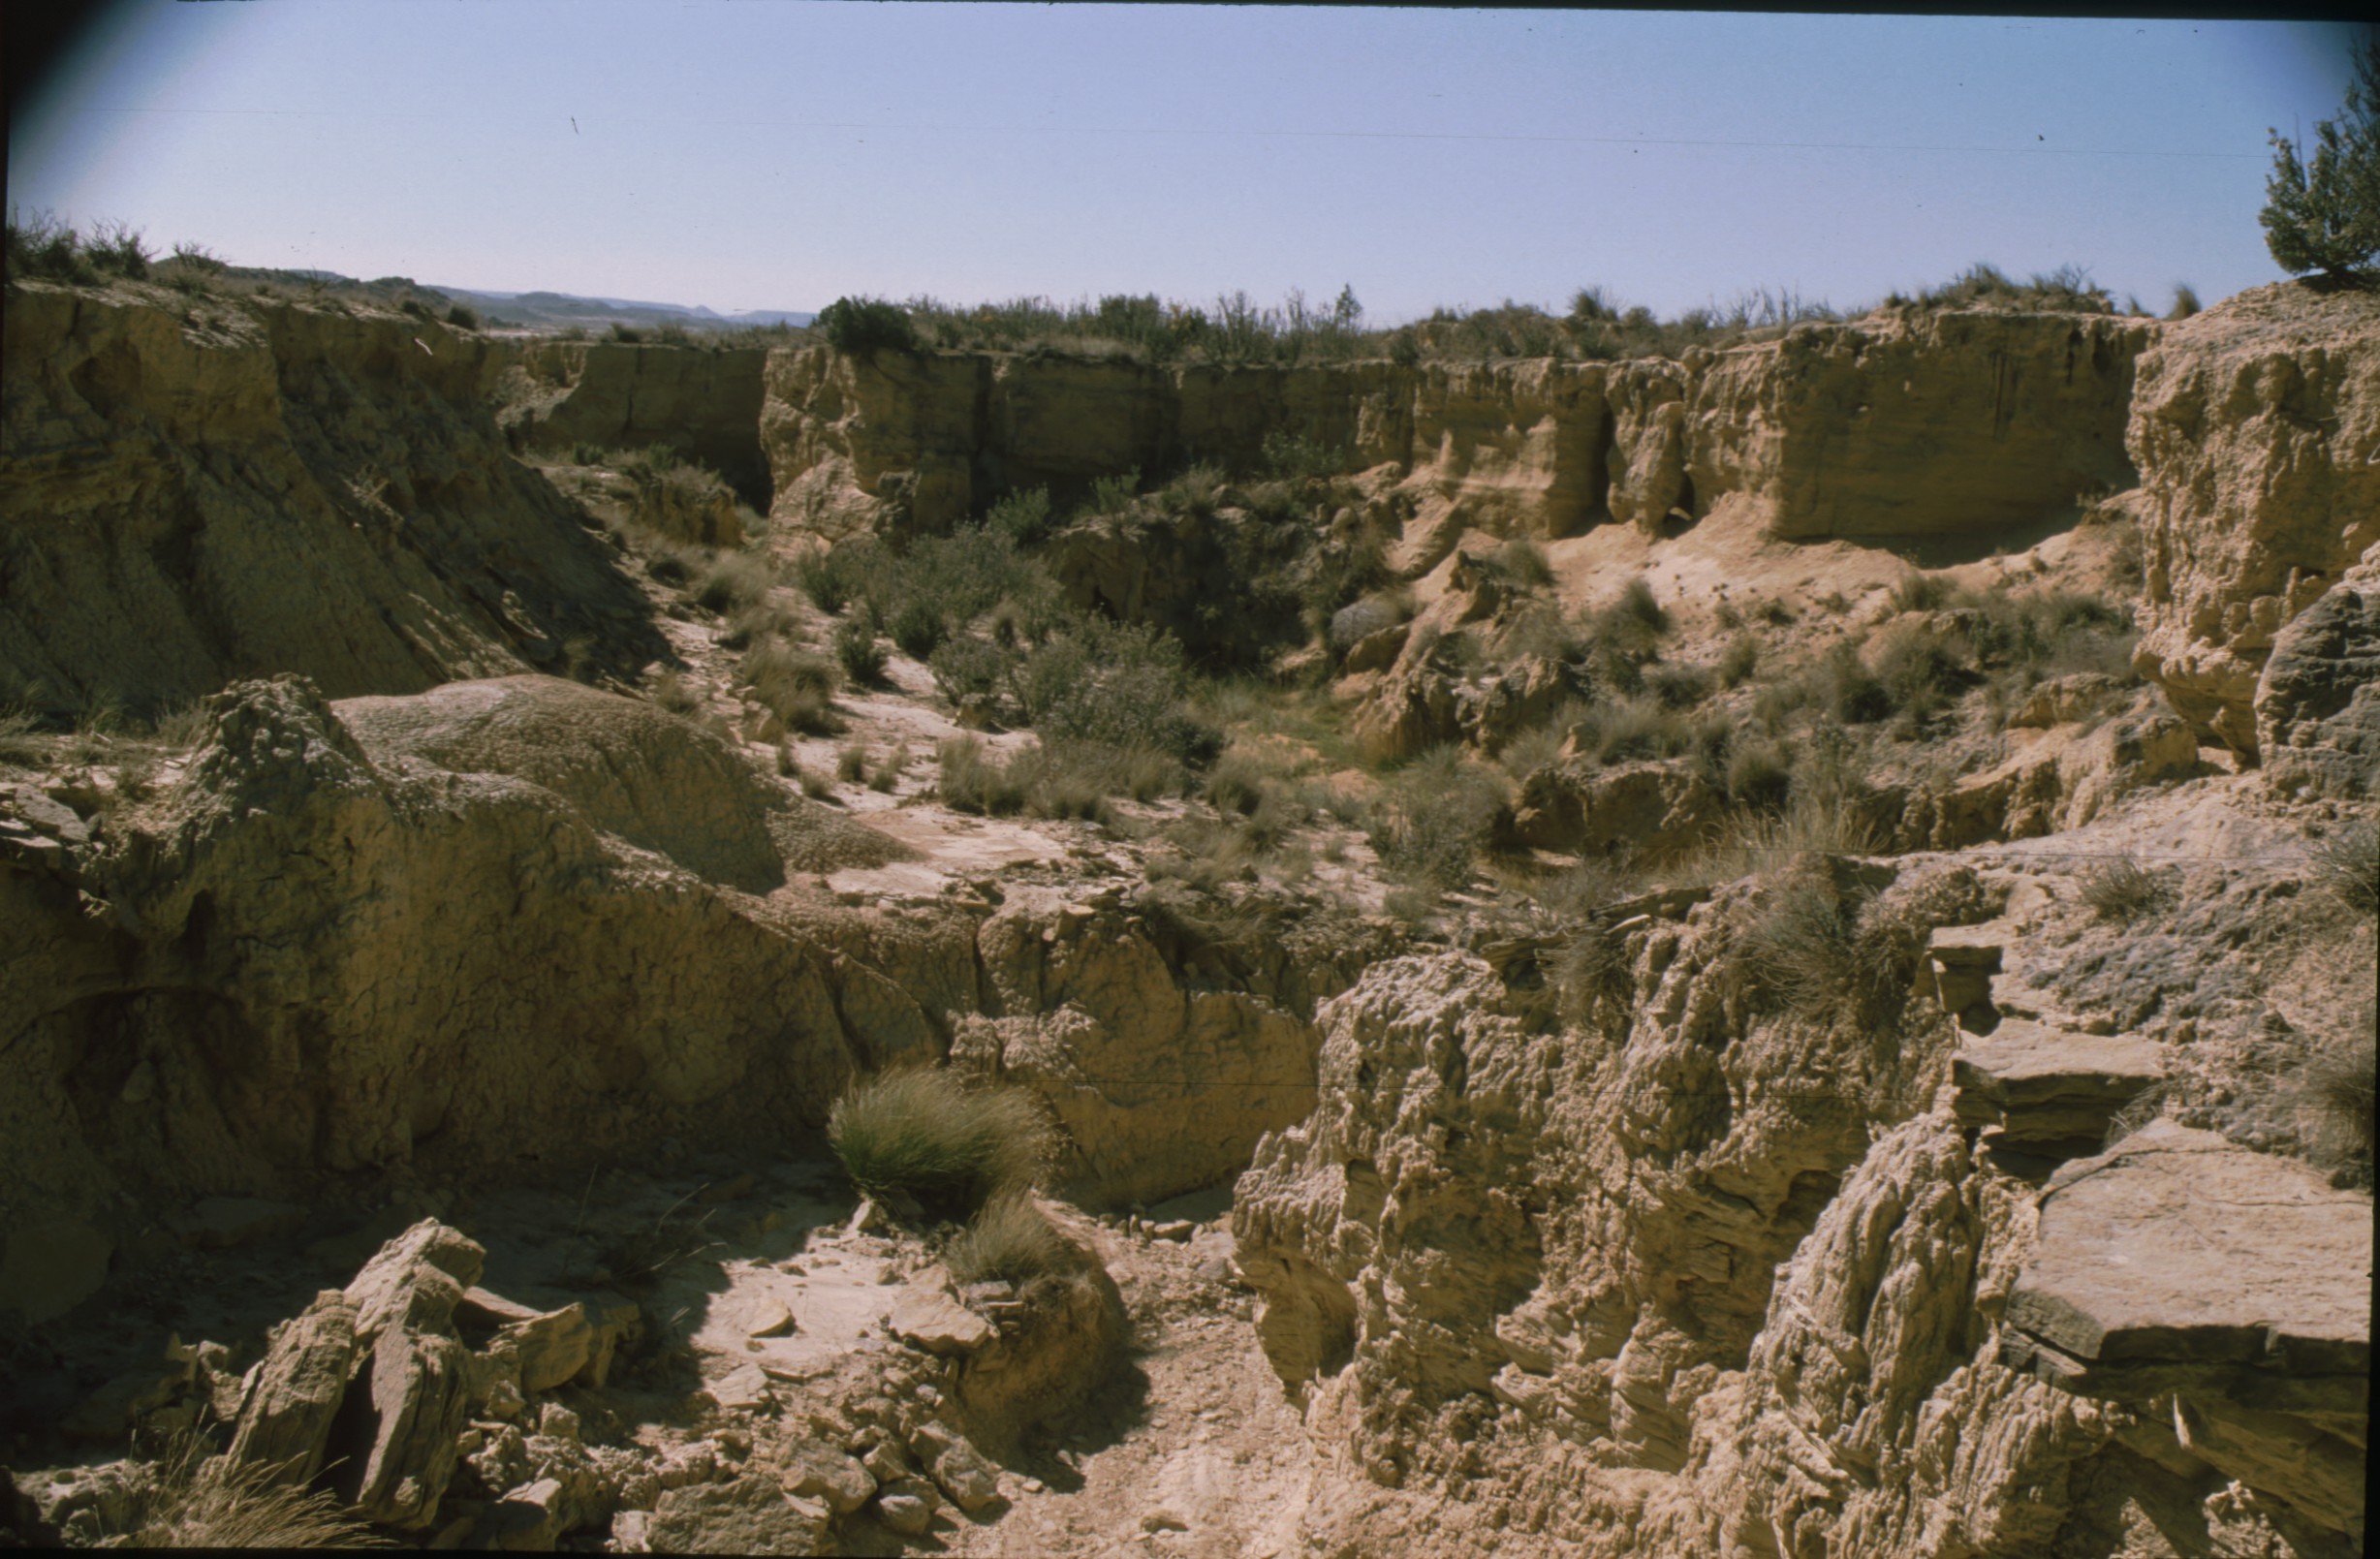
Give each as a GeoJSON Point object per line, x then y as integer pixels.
{"type": "Point", "coordinates": [195, 492]}
{"type": "Point", "coordinates": [1917, 425]}
{"type": "Point", "coordinates": [702, 402]}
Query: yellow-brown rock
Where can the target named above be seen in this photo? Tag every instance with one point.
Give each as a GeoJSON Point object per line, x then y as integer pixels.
{"type": "Point", "coordinates": [234, 488]}
{"type": "Point", "coordinates": [2254, 425]}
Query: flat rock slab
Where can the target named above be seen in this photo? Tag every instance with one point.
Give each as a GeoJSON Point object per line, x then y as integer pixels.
{"type": "Point", "coordinates": [2042, 1084]}
{"type": "Point", "coordinates": [2177, 1248]}
{"type": "Point", "coordinates": [937, 1322]}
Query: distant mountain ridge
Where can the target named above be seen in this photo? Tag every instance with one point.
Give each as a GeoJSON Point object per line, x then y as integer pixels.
{"type": "Point", "coordinates": [545, 308]}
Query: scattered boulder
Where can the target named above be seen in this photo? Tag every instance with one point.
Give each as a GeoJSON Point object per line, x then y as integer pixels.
{"type": "Point", "coordinates": [840, 1483]}
{"type": "Point", "coordinates": [750, 1515]}
{"type": "Point", "coordinates": [294, 1394]}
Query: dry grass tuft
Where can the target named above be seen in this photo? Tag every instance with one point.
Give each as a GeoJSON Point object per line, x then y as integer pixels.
{"type": "Point", "coordinates": [203, 1501]}
{"type": "Point", "coordinates": [2123, 889]}
{"type": "Point", "coordinates": [2346, 865]}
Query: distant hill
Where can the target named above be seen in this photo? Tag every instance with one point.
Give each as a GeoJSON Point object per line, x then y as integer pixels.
{"type": "Point", "coordinates": [536, 311]}
{"type": "Point", "coordinates": [542, 310]}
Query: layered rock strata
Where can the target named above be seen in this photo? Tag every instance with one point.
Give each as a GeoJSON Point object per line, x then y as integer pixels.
{"type": "Point", "coordinates": [251, 488]}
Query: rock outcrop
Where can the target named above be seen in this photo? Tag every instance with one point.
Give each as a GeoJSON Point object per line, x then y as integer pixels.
{"type": "Point", "coordinates": [2318, 699]}
{"type": "Point", "coordinates": [255, 488]}
{"type": "Point", "coordinates": [2254, 425]}
{"type": "Point", "coordinates": [302, 957]}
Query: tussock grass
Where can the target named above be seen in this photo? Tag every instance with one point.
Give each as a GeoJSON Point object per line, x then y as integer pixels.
{"type": "Point", "coordinates": [1438, 814]}
{"type": "Point", "coordinates": [796, 686]}
{"type": "Point", "coordinates": [928, 1135]}
{"type": "Point", "coordinates": [676, 693]}
{"type": "Point", "coordinates": [1011, 1240]}
{"type": "Point", "coordinates": [1524, 562]}
{"type": "Point", "coordinates": [2337, 1091]}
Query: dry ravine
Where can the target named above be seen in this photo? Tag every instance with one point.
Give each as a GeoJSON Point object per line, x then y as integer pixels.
{"type": "Point", "coordinates": [1763, 954]}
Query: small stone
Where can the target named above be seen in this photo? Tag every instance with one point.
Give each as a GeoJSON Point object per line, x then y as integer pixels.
{"type": "Point", "coordinates": [504, 1400]}
{"type": "Point", "coordinates": [770, 1318]}
{"type": "Point", "coordinates": [1162, 1519]}
{"type": "Point", "coordinates": [1034, 1485]}
{"type": "Point", "coordinates": [905, 1513]}
{"type": "Point", "coordinates": [1180, 1230]}
{"type": "Point", "coordinates": [559, 1421]}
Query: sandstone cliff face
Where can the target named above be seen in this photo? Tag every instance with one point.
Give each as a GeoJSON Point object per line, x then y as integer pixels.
{"type": "Point", "coordinates": [274, 488]}
{"type": "Point", "coordinates": [704, 403]}
{"type": "Point", "coordinates": [1932, 425]}
{"type": "Point", "coordinates": [2256, 427]}
{"type": "Point", "coordinates": [1692, 1279]}
{"type": "Point", "coordinates": [1943, 424]}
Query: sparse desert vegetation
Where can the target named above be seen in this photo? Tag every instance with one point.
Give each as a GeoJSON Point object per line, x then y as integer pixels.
{"type": "Point", "coordinates": [1457, 897]}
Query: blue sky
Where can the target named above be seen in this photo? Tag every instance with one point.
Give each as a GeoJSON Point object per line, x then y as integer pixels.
{"type": "Point", "coordinates": [778, 154]}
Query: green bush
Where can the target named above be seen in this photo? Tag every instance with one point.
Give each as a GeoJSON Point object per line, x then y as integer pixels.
{"type": "Point", "coordinates": [925, 1134]}
{"type": "Point", "coordinates": [970, 670]}
{"type": "Point", "coordinates": [862, 657]}
{"type": "Point", "coordinates": [919, 629]}
{"type": "Point", "coordinates": [2324, 214]}
{"type": "Point", "coordinates": [1021, 516]}
{"type": "Point", "coordinates": [1439, 813]}
{"type": "Point", "coordinates": [1524, 561]}
{"type": "Point", "coordinates": [1115, 685]}
{"type": "Point", "coordinates": [463, 314]}
{"type": "Point", "coordinates": [866, 326]}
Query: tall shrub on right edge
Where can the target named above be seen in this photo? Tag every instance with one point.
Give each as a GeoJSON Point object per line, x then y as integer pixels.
{"type": "Point", "coordinates": [2324, 214]}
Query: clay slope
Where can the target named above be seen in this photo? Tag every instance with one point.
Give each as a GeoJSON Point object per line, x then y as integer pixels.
{"type": "Point", "coordinates": [203, 490]}
{"type": "Point", "coordinates": [704, 403]}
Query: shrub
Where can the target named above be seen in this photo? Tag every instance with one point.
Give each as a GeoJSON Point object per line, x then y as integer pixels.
{"type": "Point", "coordinates": [1739, 660]}
{"type": "Point", "coordinates": [919, 629]}
{"type": "Point", "coordinates": [2123, 889]}
{"type": "Point", "coordinates": [2346, 865]}
{"type": "Point", "coordinates": [924, 1133]}
{"type": "Point", "coordinates": [1760, 776]}
{"type": "Point", "coordinates": [733, 580]}
{"type": "Point", "coordinates": [1021, 516]}
{"type": "Point", "coordinates": [1525, 561]}
{"type": "Point", "coordinates": [2185, 301]}
{"type": "Point", "coordinates": [1238, 784]}
{"type": "Point", "coordinates": [2324, 216]}
{"type": "Point", "coordinates": [889, 773]}
{"type": "Point", "coordinates": [674, 693]}
{"type": "Point", "coordinates": [1118, 686]}
{"type": "Point", "coordinates": [1439, 813]}
{"type": "Point", "coordinates": [1011, 1240]}
{"type": "Point", "coordinates": [626, 335]}
{"type": "Point", "coordinates": [2336, 1088]}
{"type": "Point", "coordinates": [1677, 687]}
{"type": "Point", "coordinates": [854, 646]}
{"type": "Point", "coordinates": [461, 314]}
{"type": "Point", "coordinates": [970, 670]}
{"type": "Point", "coordinates": [866, 326]}
{"type": "Point", "coordinates": [851, 762]}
